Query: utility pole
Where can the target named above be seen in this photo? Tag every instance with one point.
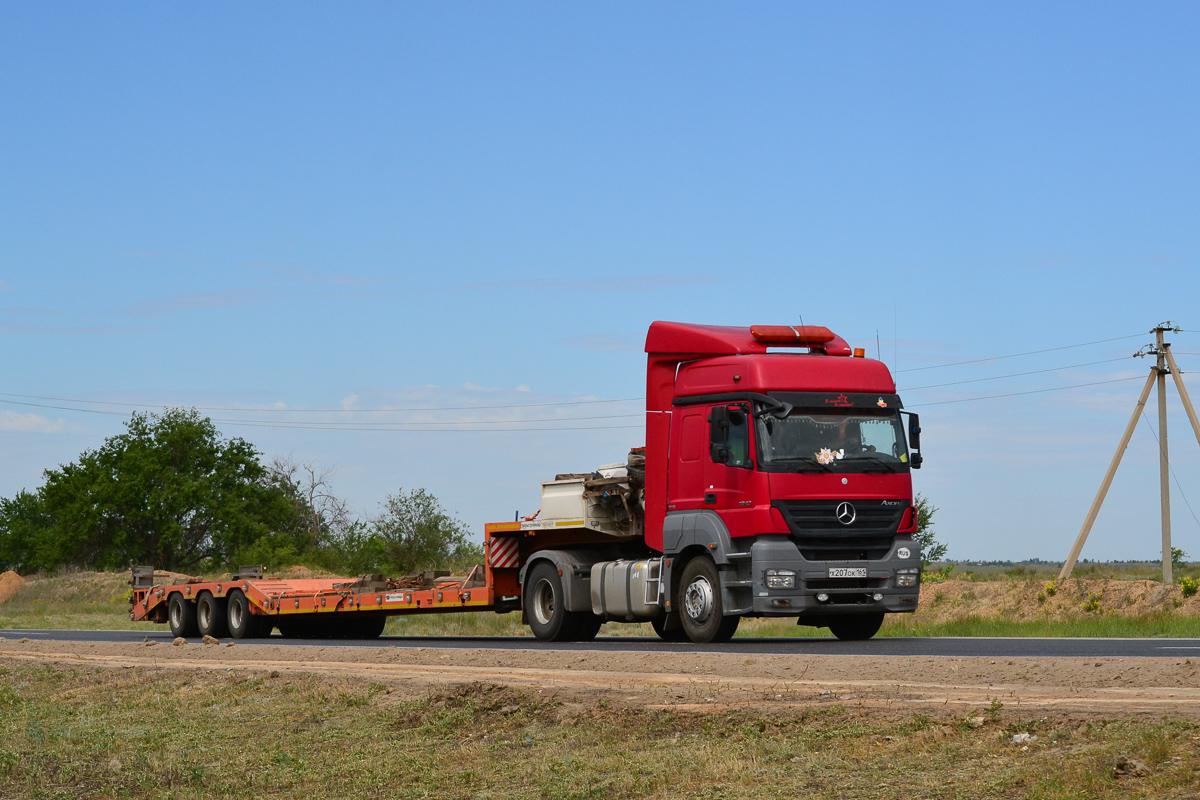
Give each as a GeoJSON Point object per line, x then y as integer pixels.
{"type": "Point", "coordinates": [1164, 465]}
{"type": "Point", "coordinates": [1164, 365]}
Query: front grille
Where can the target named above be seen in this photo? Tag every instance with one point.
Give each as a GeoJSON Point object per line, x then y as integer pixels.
{"type": "Point", "coordinates": [821, 537]}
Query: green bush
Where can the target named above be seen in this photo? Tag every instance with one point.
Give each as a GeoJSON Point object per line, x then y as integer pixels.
{"type": "Point", "coordinates": [1188, 586]}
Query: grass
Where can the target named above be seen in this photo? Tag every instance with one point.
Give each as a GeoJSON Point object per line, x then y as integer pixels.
{"type": "Point", "coordinates": [83, 600]}
{"type": "Point", "coordinates": [157, 734]}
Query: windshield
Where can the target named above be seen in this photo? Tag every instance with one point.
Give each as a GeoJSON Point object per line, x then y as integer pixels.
{"type": "Point", "coordinates": [818, 441]}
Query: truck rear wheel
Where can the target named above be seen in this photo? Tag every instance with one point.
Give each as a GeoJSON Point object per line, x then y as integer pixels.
{"type": "Point", "coordinates": [545, 605]}
{"type": "Point", "coordinates": [211, 616]}
{"type": "Point", "coordinates": [856, 628]}
{"type": "Point", "coordinates": [181, 614]}
{"type": "Point", "coordinates": [701, 612]}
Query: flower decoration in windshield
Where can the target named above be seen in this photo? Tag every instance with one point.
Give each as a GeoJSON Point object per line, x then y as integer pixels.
{"type": "Point", "coordinates": [827, 456]}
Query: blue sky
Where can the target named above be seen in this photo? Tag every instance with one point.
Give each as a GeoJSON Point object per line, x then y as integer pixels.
{"type": "Point", "coordinates": [296, 207]}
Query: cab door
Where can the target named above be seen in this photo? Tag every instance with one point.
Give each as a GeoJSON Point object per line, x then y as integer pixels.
{"type": "Point", "coordinates": [729, 477]}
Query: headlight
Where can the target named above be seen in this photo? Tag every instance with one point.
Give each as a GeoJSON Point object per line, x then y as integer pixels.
{"type": "Point", "coordinates": [781, 579]}
{"type": "Point", "coordinates": [906, 580]}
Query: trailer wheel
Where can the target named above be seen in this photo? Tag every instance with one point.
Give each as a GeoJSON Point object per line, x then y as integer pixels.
{"type": "Point", "coordinates": [545, 605]}
{"type": "Point", "coordinates": [211, 616]}
{"type": "Point", "coordinates": [856, 628]}
{"type": "Point", "coordinates": [368, 627]}
{"type": "Point", "coordinates": [701, 613]}
{"type": "Point", "coordinates": [181, 614]}
{"type": "Point", "coordinates": [588, 626]}
{"type": "Point", "coordinates": [243, 624]}
{"type": "Point", "coordinates": [660, 627]}
{"type": "Point", "coordinates": [291, 628]}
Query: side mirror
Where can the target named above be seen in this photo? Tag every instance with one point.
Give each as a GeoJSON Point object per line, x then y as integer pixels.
{"type": "Point", "coordinates": [914, 439]}
{"type": "Point", "coordinates": [718, 435]}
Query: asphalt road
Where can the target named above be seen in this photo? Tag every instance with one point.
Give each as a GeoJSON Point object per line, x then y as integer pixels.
{"type": "Point", "coordinates": [1007, 648]}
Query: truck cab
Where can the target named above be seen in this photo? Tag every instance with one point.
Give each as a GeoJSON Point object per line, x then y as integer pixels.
{"type": "Point", "coordinates": [776, 480]}
{"type": "Point", "coordinates": [786, 463]}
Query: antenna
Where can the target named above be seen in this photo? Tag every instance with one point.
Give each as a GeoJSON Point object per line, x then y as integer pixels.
{"type": "Point", "coordinates": [878, 353]}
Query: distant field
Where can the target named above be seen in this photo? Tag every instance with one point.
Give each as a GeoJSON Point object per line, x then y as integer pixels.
{"type": "Point", "coordinates": [998, 604]}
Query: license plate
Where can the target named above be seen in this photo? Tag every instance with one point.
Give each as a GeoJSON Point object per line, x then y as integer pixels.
{"type": "Point", "coordinates": [847, 572]}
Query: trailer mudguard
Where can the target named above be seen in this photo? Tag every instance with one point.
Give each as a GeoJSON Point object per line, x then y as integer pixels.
{"type": "Point", "coordinates": [575, 567]}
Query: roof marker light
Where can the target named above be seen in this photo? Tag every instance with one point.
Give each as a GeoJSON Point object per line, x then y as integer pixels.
{"type": "Point", "coordinates": [802, 335]}
{"type": "Point", "coordinates": [860, 352]}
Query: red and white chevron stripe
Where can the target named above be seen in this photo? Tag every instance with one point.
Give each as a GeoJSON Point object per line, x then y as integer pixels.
{"type": "Point", "coordinates": [503, 554]}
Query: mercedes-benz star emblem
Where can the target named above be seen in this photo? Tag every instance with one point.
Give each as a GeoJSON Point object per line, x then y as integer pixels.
{"type": "Point", "coordinates": [845, 513]}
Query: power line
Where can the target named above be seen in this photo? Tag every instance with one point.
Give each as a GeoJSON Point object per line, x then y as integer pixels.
{"type": "Point", "coordinates": [1171, 468]}
{"type": "Point", "coordinates": [1018, 355]}
{"type": "Point", "coordinates": [317, 427]}
{"type": "Point", "coordinates": [1014, 374]}
{"type": "Point", "coordinates": [314, 410]}
{"type": "Point", "coordinates": [1031, 391]}
{"type": "Point", "coordinates": [345, 425]}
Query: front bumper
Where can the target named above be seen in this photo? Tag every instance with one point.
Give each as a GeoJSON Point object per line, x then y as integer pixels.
{"type": "Point", "coordinates": [747, 590]}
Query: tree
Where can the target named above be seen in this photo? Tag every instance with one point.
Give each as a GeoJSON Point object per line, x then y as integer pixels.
{"type": "Point", "coordinates": [415, 533]}
{"type": "Point", "coordinates": [931, 549]}
{"type": "Point", "coordinates": [169, 491]}
{"type": "Point", "coordinates": [310, 522]}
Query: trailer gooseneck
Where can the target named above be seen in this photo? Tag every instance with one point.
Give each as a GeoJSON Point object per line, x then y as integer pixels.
{"type": "Point", "coordinates": [775, 481]}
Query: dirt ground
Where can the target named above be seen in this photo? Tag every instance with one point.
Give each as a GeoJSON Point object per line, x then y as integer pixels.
{"type": "Point", "coordinates": [954, 687]}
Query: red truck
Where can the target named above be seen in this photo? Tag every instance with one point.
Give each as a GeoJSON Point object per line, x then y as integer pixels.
{"type": "Point", "coordinates": [775, 482]}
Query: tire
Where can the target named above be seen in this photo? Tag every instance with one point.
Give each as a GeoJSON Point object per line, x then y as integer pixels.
{"type": "Point", "coordinates": [181, 614]}
{"type": "Point", "coordinates": [211, 616]}
{"type": "Point", "coordinates": [701, 613]}
{"type": "Point", "coordinates": [588, 626]}
{"type": "Point", "coordinates": [291, 628]}
{"type": "Point", "coordinates": [240, 620]}
{"type": "Point", "coordinates": [660, 627]}
{"type": "Point", "coordinates": [265, 626]}
{"type": "Point", "coordinates": [856, 628]}
{"type": "Point", "coordinates": [368, 627]}
{"type": "Point", "coordinates": [545, 605]}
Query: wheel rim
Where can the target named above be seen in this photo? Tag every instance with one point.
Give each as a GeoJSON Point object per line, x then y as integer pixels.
{"type": "Point", "coordinates": [543, 602]}
{"type": "Point", "coordinates": [203, 613]}
{"type": "Point", "coordinates": [698, 599]}
{"type": "Point", "coordinates": [176, 615]}
{"type": "Point", "coordinates": [235, 615]}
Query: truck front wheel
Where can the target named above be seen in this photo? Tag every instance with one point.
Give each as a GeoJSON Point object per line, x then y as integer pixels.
{"type": "Point", "coordinates": [701, 611]}
{"type": "Point", "coordinates": [545, 605]}
{"type": "Point", "coordinates": [856, 628]}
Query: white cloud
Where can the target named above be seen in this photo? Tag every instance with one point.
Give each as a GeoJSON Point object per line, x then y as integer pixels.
{"type": "Point", "coordinates": [30, 423]}
{"type": "Point", "coordinates": [349, 401]}
{"type": "Point", "coordinates": [524, 387]}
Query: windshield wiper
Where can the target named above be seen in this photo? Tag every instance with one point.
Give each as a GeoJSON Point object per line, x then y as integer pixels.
{"type": "Point", "coordinates": [811, 460]}
{"type": "Point", "coordinates": [888, 467]}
